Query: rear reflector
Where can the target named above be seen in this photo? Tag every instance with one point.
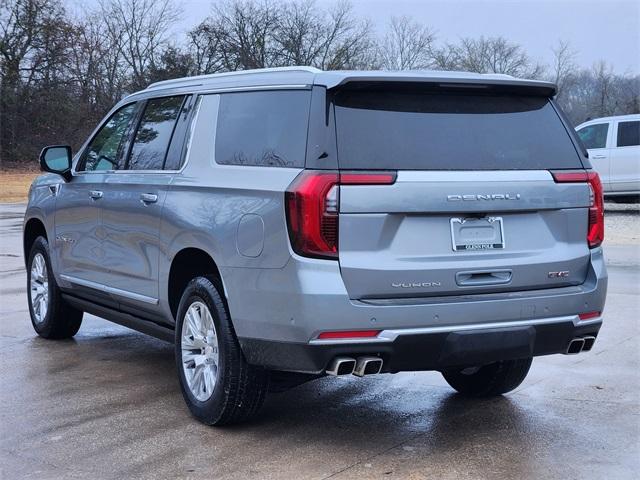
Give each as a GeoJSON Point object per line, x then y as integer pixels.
{"type": "Point", "coordinates": [595, 232]}
{"type": "Point", "coordinates": [589, 315]}
{"type": "Point", "coordinates": [349, 334]}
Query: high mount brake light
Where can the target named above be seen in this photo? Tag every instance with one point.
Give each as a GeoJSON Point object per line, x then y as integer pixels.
{"type": "Point", "coordinates": [595, 232]}
{"type": "Point", "coordinates": [311, 203]}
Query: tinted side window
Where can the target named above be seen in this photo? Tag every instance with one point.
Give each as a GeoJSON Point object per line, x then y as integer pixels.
{"type": "Point", "coordinates": [628, 134]}
{"type": "Point", "coordinates": [266, 129]}
{"type": "Point", "coordinates": [594, 136]}
{"type": "Point", "coordinates": [154, 133]}
{"type": "Point", "coordinates": [103, 151]}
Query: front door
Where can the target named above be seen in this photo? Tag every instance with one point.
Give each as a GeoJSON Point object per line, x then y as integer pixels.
{"type": "Point", "coordinates": [78, 230]}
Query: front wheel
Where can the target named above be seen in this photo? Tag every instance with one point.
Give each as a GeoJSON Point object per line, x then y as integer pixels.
{"type": "Point", "coordinates": [217, 383]}
{"type": "Point", "coordinates": [488, 380]}
{"type": "Point", "coordinates": [51, 316]}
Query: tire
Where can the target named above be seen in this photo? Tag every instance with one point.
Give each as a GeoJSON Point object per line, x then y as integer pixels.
{"type": "Point", "coordinates": [238, 389]}
{"type": "Point", "coordinates": [489, 380]}
{"type": "Point", "coordinates": [51, 316]}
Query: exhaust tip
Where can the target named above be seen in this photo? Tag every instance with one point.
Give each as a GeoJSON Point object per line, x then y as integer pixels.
{"type": "Point", "coordinates": [368, 366]}
{"type": "Point", "coordinates": [341, 366]}
{"type": "Point", "coordinates": [588, 343]}
{"type": "Point", "coordinates": [575, 346]}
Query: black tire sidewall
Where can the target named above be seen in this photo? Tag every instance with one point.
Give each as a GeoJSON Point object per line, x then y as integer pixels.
{"type": "Point", "coordinates": [203, 290]}
{"type": "Point", "coordinates": [490, 380]}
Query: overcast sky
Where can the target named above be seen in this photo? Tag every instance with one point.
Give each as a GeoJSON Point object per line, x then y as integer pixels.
{"type": "Point", "coordinates": [604, 29]}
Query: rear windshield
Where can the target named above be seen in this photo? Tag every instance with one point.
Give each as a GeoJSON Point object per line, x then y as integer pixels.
{"type": "Point", "coordinates": [450, 131]}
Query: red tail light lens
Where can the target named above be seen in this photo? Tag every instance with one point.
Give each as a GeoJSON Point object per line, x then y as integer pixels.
{"type": "Point", "coordinates": [595, 232]}
{"type": "Point", "coordinates": [311, 203]}
{"type": "Point", "coordinates": [312, 214]}
{"type": "Point", "coordinates": [589, 315]}
{"type": "Point", "coordinates": [364, 178]}
{"type": "Point", "coordinates": [349, 334]}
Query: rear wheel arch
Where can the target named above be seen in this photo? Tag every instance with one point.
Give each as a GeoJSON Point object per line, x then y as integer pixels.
{"type": "Point", "coordinates": [186, 265]}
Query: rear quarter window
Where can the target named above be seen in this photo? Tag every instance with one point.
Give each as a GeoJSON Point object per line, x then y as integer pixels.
{"type": "Point", "coordinates": [267, 129]}
{"type": "Point", "coordinates": [450, 131]}
{"type": "Point", "coordinates": [628, 134]}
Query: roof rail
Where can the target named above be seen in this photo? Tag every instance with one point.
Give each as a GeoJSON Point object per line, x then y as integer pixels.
{"type": "Point", "coordinates": [165, 83]}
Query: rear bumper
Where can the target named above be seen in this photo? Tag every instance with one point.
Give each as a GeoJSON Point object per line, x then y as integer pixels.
{"type": "Point", "coordinates": [436, 348]}
{"type": "Point", "coordinates": [280, 313]}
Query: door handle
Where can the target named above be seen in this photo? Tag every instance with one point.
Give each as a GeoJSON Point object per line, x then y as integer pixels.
{"type": "Point", "coordinates": [95, 194]}
{"type": "Point", "coordinates": [147, 198]}
{"type": "Point", "coordinates": [599, 156]}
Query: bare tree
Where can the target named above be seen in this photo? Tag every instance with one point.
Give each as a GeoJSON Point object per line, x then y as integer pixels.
{"type": "Point", "coordinates": [205, 47]}
{"type": "Point", "coordinates": [488, 55]}
{"type": "Point", "coordinates": [407, 45]}
{"type": "Point", "coordinates": [33, 54]}
{"type": "Point", "coordinates": [243, 34]}
{"type": "Point", "coordinates": [348, 41]}
{"type": "Point", "coordinates": [563, 66]}
{"type": "Point", "coordinates": [240, 32]}
{"type": "Point", "coordinates": [139, 30]}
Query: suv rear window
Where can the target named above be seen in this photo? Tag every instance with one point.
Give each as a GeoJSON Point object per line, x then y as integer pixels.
{"type": "Point", "coordinates": [450, 131]}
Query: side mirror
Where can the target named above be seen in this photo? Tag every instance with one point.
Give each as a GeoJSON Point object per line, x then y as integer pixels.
{"type": "Point", "coordinates": [56, 159]}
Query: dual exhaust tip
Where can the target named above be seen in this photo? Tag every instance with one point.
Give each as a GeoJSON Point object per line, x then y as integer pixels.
{"type": "Point", "coordinates": [359, 367]}
{"type": "Point", "coordinates": [362, 366]}
{"type": "Point", "coordinates": [581, 344]}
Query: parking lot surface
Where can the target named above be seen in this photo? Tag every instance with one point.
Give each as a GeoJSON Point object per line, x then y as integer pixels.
{"type": "Point", "coordinates": [107, 405]}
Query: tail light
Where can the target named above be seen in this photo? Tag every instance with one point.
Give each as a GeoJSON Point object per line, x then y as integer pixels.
{"type": "Point", "coordinates": [595, 232]}
{"type": "Point", "coordinates": [311, 203]}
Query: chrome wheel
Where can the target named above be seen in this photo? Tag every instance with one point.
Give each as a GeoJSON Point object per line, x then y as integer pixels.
{"type": "Point", "coordinates": [199, 345]}
{"type": "Point", "coordinates": [39, 285]}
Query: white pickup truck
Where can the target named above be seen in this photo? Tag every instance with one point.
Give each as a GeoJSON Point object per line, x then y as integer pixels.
{"type": "Point", "coordinates": [614, 151]}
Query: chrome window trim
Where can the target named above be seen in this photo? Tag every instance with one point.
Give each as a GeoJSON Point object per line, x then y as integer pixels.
{"type": "Point", "coordinates": [110, 290]}
{"type": "Point", "coordinates": [390, 335]}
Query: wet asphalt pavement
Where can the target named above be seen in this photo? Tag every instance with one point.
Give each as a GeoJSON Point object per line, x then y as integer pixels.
{"type": "Point", "coordinates": [107, 405]}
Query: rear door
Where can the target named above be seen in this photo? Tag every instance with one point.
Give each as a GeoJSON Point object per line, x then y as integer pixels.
{"type": "Point", "coordinates": [133, 201]}
{"type": "Point", "coordinates": [474, 208]}
{"type": "Point", "coordinates": [625, 157]}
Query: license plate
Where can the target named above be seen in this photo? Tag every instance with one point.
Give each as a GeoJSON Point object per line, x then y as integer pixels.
{"type": "Point", "coordinates": [477, 233]}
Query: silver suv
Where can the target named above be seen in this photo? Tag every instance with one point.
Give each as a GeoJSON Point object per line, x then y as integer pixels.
{"type": "Point", "coordinates": [281, 225]}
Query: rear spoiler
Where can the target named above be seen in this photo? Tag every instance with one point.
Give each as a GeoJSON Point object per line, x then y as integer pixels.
{"type": "Point", "coordinates": [450, 82]}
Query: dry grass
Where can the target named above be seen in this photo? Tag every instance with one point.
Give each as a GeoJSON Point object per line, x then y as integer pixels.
{"type": "Point", "coordinates": [14, 185]}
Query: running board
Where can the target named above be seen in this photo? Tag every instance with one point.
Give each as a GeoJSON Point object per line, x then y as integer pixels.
{"type": "Point", "coordinates": [125, 319]}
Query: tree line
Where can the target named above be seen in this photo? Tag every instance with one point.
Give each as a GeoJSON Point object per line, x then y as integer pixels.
{"type": "Point", "coordinates": [60, 75]}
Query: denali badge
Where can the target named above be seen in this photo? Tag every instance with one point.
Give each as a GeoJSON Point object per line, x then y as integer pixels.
{"type": "Point", "coordinates": [416, 284]}
{"type": "Point", "coordinates": [489, 196]}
